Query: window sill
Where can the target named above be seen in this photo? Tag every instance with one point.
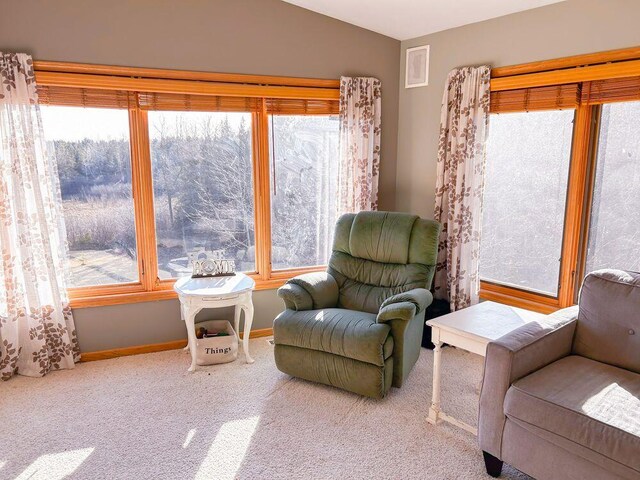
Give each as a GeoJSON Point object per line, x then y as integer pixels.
{"type": "Point", "coordinates": [518, 298]}
{"type": "Point", "coordinates": [165, 291]}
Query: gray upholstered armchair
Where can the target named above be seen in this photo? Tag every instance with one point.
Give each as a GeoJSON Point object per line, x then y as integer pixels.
{"type": "Point", "coordinates": [358, 326]}
{"type": "Point", "coordinates": [561, 397]}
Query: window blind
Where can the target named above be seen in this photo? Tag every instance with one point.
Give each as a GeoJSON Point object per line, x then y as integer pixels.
{"type": "Point", "coordinates": [611, 90]}
{"type": "Point", "coordinates": [556, 97]}
{"type": "Point", "coordinates": [200, 103]}
{"type": "Point", "coordinates": [102, 98]}
{"type": "Point", "coordinates": [84, 97]}
{"type": "Point", "coordinates": [295, 106]}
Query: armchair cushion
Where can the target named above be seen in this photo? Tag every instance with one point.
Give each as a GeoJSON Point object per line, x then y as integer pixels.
{"type": "Point", "coordinates": [381, 238]}
{"type": "Point", "coordinates": [514, 356]}
{"type": "Point", "coordinates": [364, 284]}
{"type": "Point", "coordinates": [581, 405]}
{"type": "Point", "coordinates": [609, 320]}
{"type": "Point", "coordinates": [310, 291]}
{"type": "Point", "coordinates": [379, 254]}
{"type": "Point", "coordinates": [346, 333]}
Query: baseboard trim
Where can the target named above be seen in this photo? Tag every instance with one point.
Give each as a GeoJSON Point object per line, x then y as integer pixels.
{"type": "Point", "coordinates": [154, 347]}
{"type": "Point", "coordinates": [263, 332]}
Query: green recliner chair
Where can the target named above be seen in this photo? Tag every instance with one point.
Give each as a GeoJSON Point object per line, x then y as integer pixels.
{"type": "Point", "coordinates": [359, 325]}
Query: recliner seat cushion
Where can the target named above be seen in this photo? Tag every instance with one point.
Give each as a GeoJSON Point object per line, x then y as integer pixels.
{"type": "Point", "coordinates": [592, 405]}
{"type": "Point", "coordinates": [346, 333]}
{"type": "Point", "coordinates": [346, 373]}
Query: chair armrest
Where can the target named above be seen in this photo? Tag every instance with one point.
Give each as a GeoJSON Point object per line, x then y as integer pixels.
{"type": "Point", "coordinates": [405, 306]}
{"type": "Point", "coordinates": [310, 291]}
{"type": "Point", "coordinates": [397, 311]}
{"type": "Point", "coordinates": [295, 297]}
{"type": "Point", "coordinates": [516, 355]}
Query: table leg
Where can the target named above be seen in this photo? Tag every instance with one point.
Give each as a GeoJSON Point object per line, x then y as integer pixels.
{"type": "Point", "coordinates": [246, 332]}
{"type": "Point", "coordinates": [434, 410]}
{"type": "Point", "coordinates": [190, 319]}
{"type": "Point", "coordinates": [182, 317]}
{"type": "Point", "coordinates": [236, 319]}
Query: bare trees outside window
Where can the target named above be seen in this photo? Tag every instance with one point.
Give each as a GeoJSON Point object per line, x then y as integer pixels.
{"type": "Point", "coordinates": [304, 162]}
{"type": "Point", "coordinates": [203, 188]}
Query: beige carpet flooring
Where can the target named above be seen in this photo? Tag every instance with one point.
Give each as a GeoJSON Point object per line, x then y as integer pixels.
{"type": "Point", "coordinates": [145, 417]}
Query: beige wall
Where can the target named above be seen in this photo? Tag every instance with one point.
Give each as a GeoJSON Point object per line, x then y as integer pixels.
{"type": "Point", "coordinates": [569, 28]}
{"type": "Point", "coordinates": [238, 36]}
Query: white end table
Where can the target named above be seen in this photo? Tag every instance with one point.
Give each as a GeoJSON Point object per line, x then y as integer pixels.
{"type": "Point", "coordinates": [470, 329]}
{"type": "Point", "coordinates": [196, 294]}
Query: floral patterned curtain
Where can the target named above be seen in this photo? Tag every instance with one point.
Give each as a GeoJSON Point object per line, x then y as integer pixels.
{"type": "Point", "coordinates": [37, 332]}
{"type": "Point", "coordinates": [464, 125]}
{"type": "Point", "coordinates": [360, 107]}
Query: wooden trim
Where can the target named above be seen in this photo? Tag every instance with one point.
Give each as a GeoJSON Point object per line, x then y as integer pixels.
{"type": "Point", "coordinates": [623, 54]}
{"type": "Point", "coordinates": [143, 198]}
{"type": "Point", "coordinates": [111, 289]}
{"type": "Point", "coordinates": [110, 70]}
{"type": "Point", "coordinates": [155, 347]}
{"type": "Point", "coordinates": [270, 284]}
{"type": "Point", "coordinates": [112, 82]}
{"type": "Point", "coordinates": [165, 292]}
{"type": "Point", "coordinates": [487, 286]}
{"type": "Point", "coordinates": [576, 190]}
{"type": "Point", "coordinates": [137, 350]}
{"type": "Point", "coordinates": [630, 68]}
{"type": "Point", "coordinates": [260, 333]}
{"type": "Point", "coordinates": [588, 202]}
{"type": "Point", "coordinates": [518, 298]}
{"type": "Point", "coordinates": [262, 192]}
{"type": "Point", "coordinates": [292, 272]}
{"type": "Point", "coordinates": [106, 299]}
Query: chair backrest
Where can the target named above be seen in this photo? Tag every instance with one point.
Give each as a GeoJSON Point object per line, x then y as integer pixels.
{"type": "Point", "coordinates": [378, 254]}
{"type": "Point", "coordinates": [608, 328]}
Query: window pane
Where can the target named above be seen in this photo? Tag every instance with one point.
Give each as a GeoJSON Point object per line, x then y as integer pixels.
{"type": "Point", "coordinates": [304, 162]}
{"type": "Point", "coordinates": [203, 190]}
{"type": "Point", "coordinates": [94, 165]}
{"type": "Point", "coordinates": [527, 171]}
{"type": "Point", "coordinates": [614, 235]}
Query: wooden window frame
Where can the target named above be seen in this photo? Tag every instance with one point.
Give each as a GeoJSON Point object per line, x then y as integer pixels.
{"type": "Point", "coordinates": [149, 286]}
{"type": "Point", "coordinates": [580, 69]}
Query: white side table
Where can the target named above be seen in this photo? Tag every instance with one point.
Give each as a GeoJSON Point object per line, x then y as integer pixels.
{"type": "Point", "coordinates": [470, 329]}
{"type": "Point", "coordinates": [196, 294]}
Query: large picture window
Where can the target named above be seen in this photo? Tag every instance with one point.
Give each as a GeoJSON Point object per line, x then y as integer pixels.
{"type": "Point", "coordinates": [203, 188]}
{"type": "Point", "coordinates": [154, 171]}
{"type": "Point", "coordinates": [562, 194]}
{"type": "Point", "coordinates": [528, 155]}
{"type": "Point", "coordinates": [92, 149]}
